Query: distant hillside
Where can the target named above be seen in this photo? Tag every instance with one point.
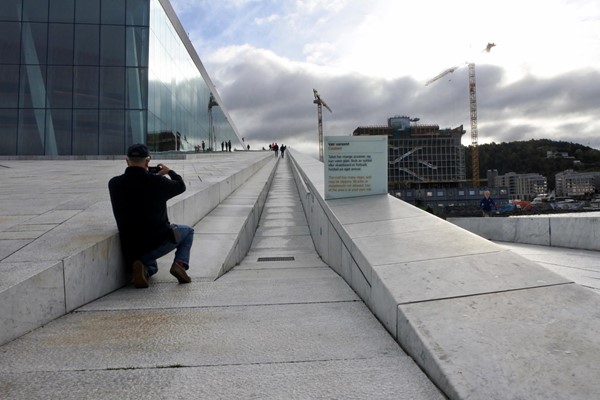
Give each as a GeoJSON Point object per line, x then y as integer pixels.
{"type": "Point", "coordinates": [531, 157]}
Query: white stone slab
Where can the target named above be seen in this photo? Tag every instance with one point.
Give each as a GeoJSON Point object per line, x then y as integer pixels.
{"type": "Point", "coordinates": [580, 266]}
{"type": "Point", "coordinates": [286, 242]}
{"type": "Point", "coordinates": [541, 343]}
{"type": "Point", "coordinates": [402, 225]}
{"type": "Point", "coordinates": [283, 231]}
{"type": "Point", "coordinates": [307, 259]}
{"type": "Point", "coordinates": [421, 245]}
{"type": "Point", "coordinates": [31, 294]}
{"type": "Point", "coordinates": [379, 377]}
{"type": "Point", "coordinates": [236, 288]}
{"type": "Point", "coordinates": [579, 233]}
{"type": "Point", "coordinates": [201, 337]}
{"type": "Point", "coordinates": [10, 246]}
{"type": "Point", "coordinates": [231, 211]}
{"type": "Point", "coordinates": [93, 272]}
{"type": "Point", "coordinates": [219, 225]}
{"type": "Point", "coordinates": [452, 277]}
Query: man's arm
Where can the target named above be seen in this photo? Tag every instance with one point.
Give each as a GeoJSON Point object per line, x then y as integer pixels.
{"type": "Point", "coordinates": [174, 186]}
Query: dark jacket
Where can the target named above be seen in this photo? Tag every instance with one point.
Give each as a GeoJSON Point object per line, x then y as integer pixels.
{"type": "Point", "coordinates": [139, 203]}
{"type": "Point", "coordinates": [486, 204]}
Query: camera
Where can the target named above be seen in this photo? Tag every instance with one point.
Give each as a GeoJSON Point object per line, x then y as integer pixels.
{"type": "Point", "coordinates": [155, 170]}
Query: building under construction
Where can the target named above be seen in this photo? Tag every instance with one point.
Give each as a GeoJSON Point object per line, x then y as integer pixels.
{"type": "Point", "coordinates": [420, 155]}
{"type": "Point", "coordinates": [426, 167]}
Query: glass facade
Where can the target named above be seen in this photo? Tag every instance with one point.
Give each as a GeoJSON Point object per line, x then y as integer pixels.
{"type": "Point", "coordinates": [91, 77]}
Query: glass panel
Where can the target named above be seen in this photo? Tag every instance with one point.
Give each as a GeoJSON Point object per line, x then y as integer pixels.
{"type": "Point", "coordinates": [62, 11]}
{"type": "Point", "coordinates": [32, 87]}
{"type": "Point", "coordinates": [35, 10]}
{"type": "Point", "coordinates": [138, 12]}
{"type": "Point", "coordinates": [137, 46]}
{"type": "Point", "coordinates": [34, 43]}
{"type": "Point", "coordinates": [137, 95]}
{"type": "Point", "coordinates": [8, 127]}
{"type": "Point", "coordinates": [31, 132]}
{"type": "Point", "coordinates": [112, 45]}
{"type": "Point", "coordinates": [87, 11]}
{"type": "Point", "coordinates": [112, 131]}
{"type": "Point", "coordinates": [153, 124]}
{"type": "Point", "coordinates": [112, 87]}
{"type": "Point", "coordinates": [135, 127]}
{"type": "Point", "coordinates": [10, 10]}
{"type": "Point", "coordinates": [85, 87]}
{"type": "Point", "coordinates": [60, 86]}
{"type": "Point", "coordinates": [87, 44]}
{"type": "Point", "coordinates": [85, 132]}
{"type": "Point", "coordinates": [9, 86]}
{"type": "Point", "coordinates": [60, 44]}
{"type": "Point", "coordinates": [10, 42]}
{"type": "Point", "coordinates": [112, 12]}
{"type": "Point", "coordinates": [59, 130]}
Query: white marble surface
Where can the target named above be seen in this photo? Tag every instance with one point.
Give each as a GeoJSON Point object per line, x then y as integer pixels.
{"type": "Point", "coordinates": [268, 330]}
{"type": "Point", "coordinates": [59, 212]}
{"type": "Point", "coordinates": [31, 294]}
{"type": "Point", "coordinates": [580, 266]}
{"type": "Point", "coordinates": [577, 230]}
{"type": "Point", "coordinates": [467, 310]}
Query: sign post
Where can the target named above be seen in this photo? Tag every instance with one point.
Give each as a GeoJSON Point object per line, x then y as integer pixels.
{"type": "Point", "coordinates": [355, 166]}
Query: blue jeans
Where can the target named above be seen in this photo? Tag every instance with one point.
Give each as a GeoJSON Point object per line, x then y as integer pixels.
{"type": "Point", "coordinates": [182, 254]}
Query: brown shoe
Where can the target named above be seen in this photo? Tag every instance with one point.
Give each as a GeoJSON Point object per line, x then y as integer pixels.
{"type": "Point", "coordinates": [139, 276]}
{"type": "Point", "coordinates": [179, 272]}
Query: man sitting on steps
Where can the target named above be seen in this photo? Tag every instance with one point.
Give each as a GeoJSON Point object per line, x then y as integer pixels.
{"type": "Point", "coordinates": [139, 203]}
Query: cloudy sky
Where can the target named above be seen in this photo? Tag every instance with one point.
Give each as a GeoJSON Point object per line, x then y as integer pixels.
{"type": "Point", "coordinates": [370, 60]}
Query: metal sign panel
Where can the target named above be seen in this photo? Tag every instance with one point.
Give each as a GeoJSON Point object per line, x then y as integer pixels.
{"type": "Point", "coordinates": [355, 166]}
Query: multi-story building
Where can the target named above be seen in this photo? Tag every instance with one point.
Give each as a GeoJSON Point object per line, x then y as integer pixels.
{"type": "Point", "coordinates": [91, 77]}
{"type": "Point", "coordinates": [419, 153]}
{"type": "Point", "coordinates": [426, 165]}
{"type": "Point", "coordinates": [571, 183]}
{"type": "Point", "coordinates": [522, 186]}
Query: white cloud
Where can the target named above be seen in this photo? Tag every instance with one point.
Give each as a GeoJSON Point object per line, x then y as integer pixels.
{"type": "Point", "coordinates": [267, 20]}
{"type": "Point", "coordinates": [370, 60]}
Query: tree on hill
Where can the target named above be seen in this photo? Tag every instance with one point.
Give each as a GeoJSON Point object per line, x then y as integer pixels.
{"type": "Point", "coordinates": [531, 157]}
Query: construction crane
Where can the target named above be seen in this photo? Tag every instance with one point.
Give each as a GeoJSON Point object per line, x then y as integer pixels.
{"type": "Point", "coordinates": [473, 114]}
{"type": "Point", "coordinates": [320, 103]}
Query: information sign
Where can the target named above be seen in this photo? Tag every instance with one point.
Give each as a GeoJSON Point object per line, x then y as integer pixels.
{"type": "Point", "coordinates": [355, 166]}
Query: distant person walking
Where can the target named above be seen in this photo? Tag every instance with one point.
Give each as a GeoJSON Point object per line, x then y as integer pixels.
{"type": "Point", "coordinates": [276, 149]}
{"type": "Point", "coordinates": [222, 146]}
{"type": "Point", "coordinates": [282, 149]}
{"type": "Point", "coordinates": [486, 204]}
{"type": "Point", "coordinates": [229, 145]}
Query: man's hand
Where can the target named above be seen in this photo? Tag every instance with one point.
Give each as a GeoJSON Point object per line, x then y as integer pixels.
{"type": "Point", "coordinates": [164, 170]}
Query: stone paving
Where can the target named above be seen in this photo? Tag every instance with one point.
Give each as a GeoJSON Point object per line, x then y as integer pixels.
{"type": "Point", "coordinates": [581, 266]}
{"type": "Point", "coordinates": [281, 325]}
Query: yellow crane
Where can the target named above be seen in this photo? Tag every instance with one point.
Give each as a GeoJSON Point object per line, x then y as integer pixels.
{"type": "Point", "coordinates": [472, 112]}
{"type": "Point", "coordinates": [320, 104]}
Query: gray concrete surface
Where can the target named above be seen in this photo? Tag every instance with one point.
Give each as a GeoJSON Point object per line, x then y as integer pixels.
{"type": "Point", "coordinates": [482, 321]}
{"type": "Point", "coordinates": [580, 266]}
{"type": "Point", "coordinates": [570, 230]}
{"type": "Point", "coordinates": [264, 330]}
{"type": "Point", "coordinates": [59, 247]}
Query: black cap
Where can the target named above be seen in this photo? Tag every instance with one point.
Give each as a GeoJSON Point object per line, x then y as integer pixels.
{"type": "Point", "coordinates": [138, 151]}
